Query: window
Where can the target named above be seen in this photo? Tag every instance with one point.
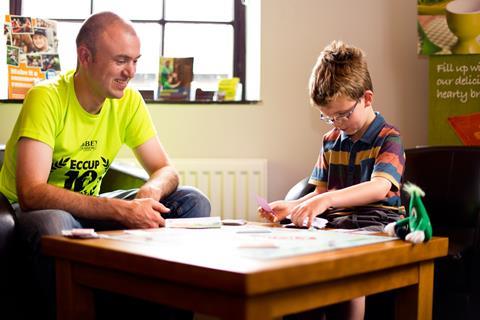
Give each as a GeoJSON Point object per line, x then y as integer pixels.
{"type": "Point", "coordinates": [211, 31]}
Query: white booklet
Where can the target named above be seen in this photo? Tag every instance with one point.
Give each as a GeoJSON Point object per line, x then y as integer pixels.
{"type": "Point", "coordinates": [194, 223]}
{"type": "Point", "coordinates": [317, 223]}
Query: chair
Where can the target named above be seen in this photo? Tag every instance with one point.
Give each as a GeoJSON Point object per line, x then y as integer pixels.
{"type": "Point", "coordinates": [299, 190]}
{"type": "Point", "coordinates": [450, 177]}
{"type": "Point", "coordinates": [7, 252]}
{"type": "Point", "coordinates": [7, 226]}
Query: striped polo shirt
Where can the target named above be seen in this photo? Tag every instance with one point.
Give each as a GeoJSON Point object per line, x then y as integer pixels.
{"type": "Point", "coordinates": [378, 153]}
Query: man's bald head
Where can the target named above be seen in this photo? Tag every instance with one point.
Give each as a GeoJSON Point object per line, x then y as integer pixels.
{"type": "Point", "coordinates": [96, 24]}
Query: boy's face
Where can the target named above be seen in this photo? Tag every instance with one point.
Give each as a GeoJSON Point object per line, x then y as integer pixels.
{"type": "Point", "coordinates": [39, 42]}
{"type": "Point", "coordinates": [350, 116]}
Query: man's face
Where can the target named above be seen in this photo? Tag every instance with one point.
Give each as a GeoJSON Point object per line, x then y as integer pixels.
{"type": "Point", "coordinates": [114, 62]}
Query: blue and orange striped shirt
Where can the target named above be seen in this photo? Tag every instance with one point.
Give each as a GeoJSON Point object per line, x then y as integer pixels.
{"type": "Point", "coordinates": [378, 153]}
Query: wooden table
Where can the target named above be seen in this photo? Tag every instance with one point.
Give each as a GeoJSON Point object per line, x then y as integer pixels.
{"type": "Point", "coordinates": [235, 287]}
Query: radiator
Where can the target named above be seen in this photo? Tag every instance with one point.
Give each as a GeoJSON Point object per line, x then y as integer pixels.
{"type": "Point", "coordinates": [230, 184]}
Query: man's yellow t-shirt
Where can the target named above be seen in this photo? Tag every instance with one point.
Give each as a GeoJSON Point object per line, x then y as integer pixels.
{"type": "Point", "coordinates": [84, 145]}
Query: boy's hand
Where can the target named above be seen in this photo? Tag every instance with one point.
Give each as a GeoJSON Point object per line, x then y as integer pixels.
{"type": "Point", "coordinates": [309, 209]}
{"type": "Point", "coordinates": [279, 211]}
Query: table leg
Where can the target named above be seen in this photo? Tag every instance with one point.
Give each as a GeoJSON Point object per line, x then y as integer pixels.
{"type": "Point", "coordinates": [416, 302]}
{"type": "Point", "coordinates": [73, 300]}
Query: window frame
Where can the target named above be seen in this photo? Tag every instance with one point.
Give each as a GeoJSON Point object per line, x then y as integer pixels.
{"type": "Point", "coordinates": [239, 35]}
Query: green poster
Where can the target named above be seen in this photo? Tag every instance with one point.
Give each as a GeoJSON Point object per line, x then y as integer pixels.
{"type": "Point", "coordinates": [454, 100]}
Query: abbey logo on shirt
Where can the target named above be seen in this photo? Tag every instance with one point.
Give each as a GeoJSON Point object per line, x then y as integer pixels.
{"type": "Point", "coordinates": [89, 145]}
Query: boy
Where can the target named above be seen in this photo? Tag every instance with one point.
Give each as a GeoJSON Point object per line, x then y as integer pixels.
{"type": "Point", "coordinates": [40, 41]}
{"type": "Point", "coordinates": [362, 159]}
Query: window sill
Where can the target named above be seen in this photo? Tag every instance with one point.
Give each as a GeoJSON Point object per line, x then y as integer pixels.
{"type": "Point", "coordinates": [200, 102]}
{"type": "Point", "coordinates": [148, 101]}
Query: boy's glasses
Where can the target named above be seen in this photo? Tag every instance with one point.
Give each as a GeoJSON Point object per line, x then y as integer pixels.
{"type": "Point", "coordinates": [340, 117]}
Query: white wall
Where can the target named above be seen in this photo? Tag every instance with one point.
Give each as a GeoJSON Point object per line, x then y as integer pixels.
{"type": "Point", "coordinates": [283, 128]}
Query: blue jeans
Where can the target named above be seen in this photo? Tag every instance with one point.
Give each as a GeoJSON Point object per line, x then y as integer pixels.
{"type": "Point", "coordinates": [185, 202]}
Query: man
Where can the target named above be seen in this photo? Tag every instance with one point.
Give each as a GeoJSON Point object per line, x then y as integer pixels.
{"type": "Point", "coordinates": [66, 137]}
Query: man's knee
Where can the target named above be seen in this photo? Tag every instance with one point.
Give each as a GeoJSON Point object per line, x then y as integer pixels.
{"type": "Point", "coordinates": [46, 222]}
{"type": "Point", "coordinates": [193, 203]}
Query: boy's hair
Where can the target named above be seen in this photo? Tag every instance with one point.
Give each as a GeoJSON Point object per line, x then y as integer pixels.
{"type": "Point", "coordinates": [340, 70]}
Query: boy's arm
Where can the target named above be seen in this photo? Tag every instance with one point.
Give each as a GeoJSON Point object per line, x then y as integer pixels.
{"type": "Point", "coordinates": [356, 195]}
{"type": "Point", "coordinates": [318, 190]}
{"type": "Point", "coordinates": [360, 194]}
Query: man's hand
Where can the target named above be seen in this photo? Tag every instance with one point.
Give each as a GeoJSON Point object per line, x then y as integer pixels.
{"type": "Point", "coordinates": [142, 213]}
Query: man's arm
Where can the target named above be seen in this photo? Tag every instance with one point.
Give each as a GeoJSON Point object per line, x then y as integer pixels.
{"type": "Point", "coordinates": [34, 160]}
{"type": "Point", "coordinates": [163, 176]}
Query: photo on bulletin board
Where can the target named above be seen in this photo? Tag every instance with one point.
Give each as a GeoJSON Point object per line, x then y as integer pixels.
{"type": "Point", "coordinates": [454, 100]}
{"type": "Point", "coordinates": [30, 55]}
{"type": "Point", "coordinates": [448, 27]}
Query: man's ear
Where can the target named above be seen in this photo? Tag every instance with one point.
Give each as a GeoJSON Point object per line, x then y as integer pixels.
{"type": "Point", "coordinates": [84, 55]}
{"type": "Point", "coordinates": [368, 96]}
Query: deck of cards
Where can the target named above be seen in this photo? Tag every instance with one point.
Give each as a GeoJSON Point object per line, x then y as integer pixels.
{"type": "Point", "coordinates": [82, 233]}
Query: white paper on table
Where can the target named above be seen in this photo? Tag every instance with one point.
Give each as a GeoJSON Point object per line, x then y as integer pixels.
{"type": "Point", "coordinates": [318, 223]}
{"type": "Point", "coordinates": [194, 223]}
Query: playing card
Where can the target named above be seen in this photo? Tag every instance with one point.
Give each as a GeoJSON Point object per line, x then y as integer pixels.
{"type": "Point", "coordinates": [264, 204]}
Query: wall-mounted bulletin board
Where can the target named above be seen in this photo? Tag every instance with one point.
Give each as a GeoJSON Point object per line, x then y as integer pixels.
{"type": "Point", "coordinates": [28, 53]}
